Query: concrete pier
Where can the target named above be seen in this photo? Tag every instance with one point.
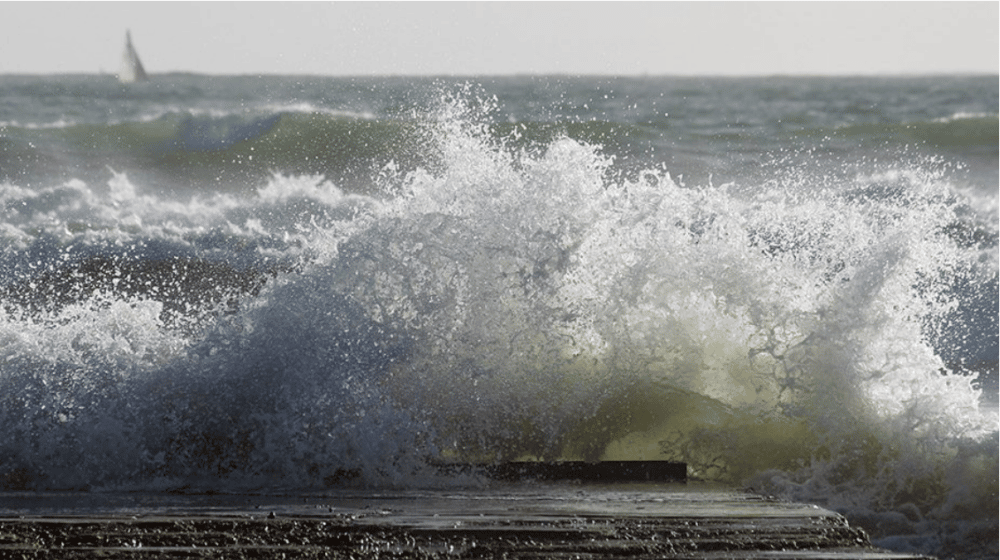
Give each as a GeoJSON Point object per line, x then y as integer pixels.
{"type": "Point", "coordinates": [525, 520]}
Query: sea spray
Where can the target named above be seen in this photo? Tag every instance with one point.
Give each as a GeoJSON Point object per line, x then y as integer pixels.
{"type": "Point", "coordinates": [791, 328]}
{"type": "Point", "coordinates": [509, 301]}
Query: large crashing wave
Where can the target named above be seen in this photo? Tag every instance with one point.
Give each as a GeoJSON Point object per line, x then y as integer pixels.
{"type": "Point", "coordinates": [520, 302]}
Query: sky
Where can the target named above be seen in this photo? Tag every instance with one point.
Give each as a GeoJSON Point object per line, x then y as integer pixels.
{"type": "Point", "coordinates": [496, 38]}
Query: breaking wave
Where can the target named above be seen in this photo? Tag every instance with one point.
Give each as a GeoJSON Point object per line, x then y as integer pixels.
{"type": "Point", "coordinates": [510, 301]}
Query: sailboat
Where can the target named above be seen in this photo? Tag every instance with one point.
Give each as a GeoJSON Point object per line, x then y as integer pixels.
{"type": "Point", "coordinates": [132, 70]}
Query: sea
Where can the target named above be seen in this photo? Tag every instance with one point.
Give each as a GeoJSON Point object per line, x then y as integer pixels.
{"type": "Point", "coordinates": [232, 284]}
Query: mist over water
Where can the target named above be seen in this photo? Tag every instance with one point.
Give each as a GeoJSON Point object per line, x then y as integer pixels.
{"type": "Point", "coordinates": [815, 320]}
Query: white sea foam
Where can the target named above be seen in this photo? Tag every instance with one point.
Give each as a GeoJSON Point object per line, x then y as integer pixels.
{"type": "Point", "coordinates": [520, 304]}
{"type": "Point", "coordinates": [965, 115]}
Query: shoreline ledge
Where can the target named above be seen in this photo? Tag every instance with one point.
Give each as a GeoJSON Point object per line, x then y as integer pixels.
{"type": "Point", "coordinates": [526, 519]}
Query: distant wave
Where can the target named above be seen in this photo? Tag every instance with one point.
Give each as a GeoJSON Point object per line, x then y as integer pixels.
{"type": "Point", "coordinates": [962, 130]}
{"type": "Point", "coordinates": [194, 148]}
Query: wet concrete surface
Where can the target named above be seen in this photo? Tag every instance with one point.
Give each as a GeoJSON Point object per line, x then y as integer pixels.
{"type": "Point", "coordinates": [539, 521]}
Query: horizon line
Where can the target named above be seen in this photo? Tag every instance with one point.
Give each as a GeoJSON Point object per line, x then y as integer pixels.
{"type": "Point", "coordinates": [900, 74]}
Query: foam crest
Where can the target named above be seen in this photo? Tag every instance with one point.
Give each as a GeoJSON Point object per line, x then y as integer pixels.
{"type": "Point", "coordinates": [794, 328]}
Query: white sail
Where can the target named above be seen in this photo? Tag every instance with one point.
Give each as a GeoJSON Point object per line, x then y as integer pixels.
{"type": "Point", "coordinates": [132, 70]}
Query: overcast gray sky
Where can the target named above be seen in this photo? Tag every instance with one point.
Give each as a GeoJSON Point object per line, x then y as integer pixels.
{"type": "Point", "coordinates": [467, 38]}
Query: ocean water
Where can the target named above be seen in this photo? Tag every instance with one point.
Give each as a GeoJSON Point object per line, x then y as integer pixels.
{"type": "Point", "coordinates": [281, 284]}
